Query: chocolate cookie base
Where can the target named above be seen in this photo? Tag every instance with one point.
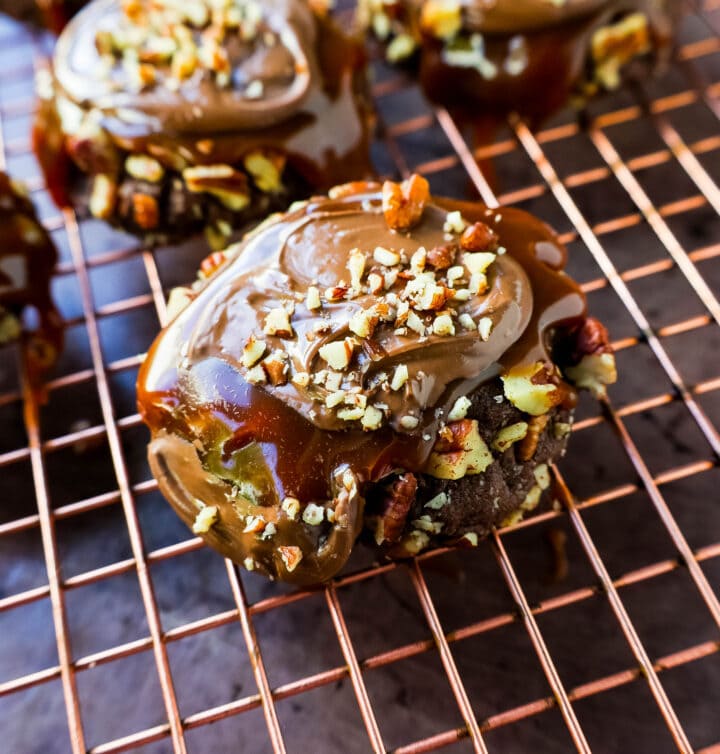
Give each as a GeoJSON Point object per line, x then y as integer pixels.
{"type": "Point", "coordinates": [470, 507]}
{"type": "Point", "coordinates": [182, 213]}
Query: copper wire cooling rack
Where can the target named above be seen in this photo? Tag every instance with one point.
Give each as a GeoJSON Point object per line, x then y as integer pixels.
{"type": "Point", "coordinates": [592, 627]}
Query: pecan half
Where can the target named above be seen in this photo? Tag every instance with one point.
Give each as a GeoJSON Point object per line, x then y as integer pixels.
{"type": "Point", "coordinates": [528, 445]}
{"type": "Point", "coordinates": [591, 339]}
{"type": "Point", "coordinates": [403, 203]}
{"type": "Point", "coordinates": [398, 501]}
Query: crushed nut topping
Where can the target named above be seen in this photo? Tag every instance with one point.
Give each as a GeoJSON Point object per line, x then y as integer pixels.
{"type": "Point", "coordinates": [528, 389]}
{"type": "Point", "coordinates": [454, 222]}
{"type": "Point", "coordinates": [277, 323]}
{"type": "Point", "coordinates": [166, 42]}
{"type": "Point", "coordinates": [291, 556]}
{"type": "Point", "coordinates": [291, 506]}
{"type": "Point", "coordinates": [313, 514]}
{"type": "Point", "coordinates": [228, 185]}
{"type": "Point", "coordinates": [415, 293]}
{"type": "Point", "coordinates": [337, 354]}
{"type": "Point", "coordinates": [509, 435]}
{"type": "Point", "coordinates": [478, 237]}
{"type": "Point", "coordinates": [400, 377]}
{"type": "Point", "coordinates": [459, 451]}
{"type": "Point", "coordinates": [436, 503]}
{"type": "Point", "coordinates": [253, 351]}
{"type": "Point", "coordinates": [459, 409]}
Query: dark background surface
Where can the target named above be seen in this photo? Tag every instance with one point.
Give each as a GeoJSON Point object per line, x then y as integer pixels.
{"type": "Point", "coordinates": [499, 667]}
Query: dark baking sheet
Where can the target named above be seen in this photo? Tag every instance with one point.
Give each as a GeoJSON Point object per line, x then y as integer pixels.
{"type": "Point", "coordinates": [118, 691]}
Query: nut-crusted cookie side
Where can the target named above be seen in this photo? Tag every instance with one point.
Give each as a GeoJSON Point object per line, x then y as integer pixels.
{"type": "Point", "coordinates": [27, 260]}
{"type": "Point", "coordinates": [530, 56]}
{"type": "Point", "coordinates": [361, 358]}
{"type": "Point", "coordinates": [462, 510]}
{"type": "Point", "coordinates": [174, 117]}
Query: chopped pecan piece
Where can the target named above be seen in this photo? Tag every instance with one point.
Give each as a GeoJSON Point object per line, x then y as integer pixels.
{"type": "Point", "coordinates": [212, 263]}
{"type": "Point", "coordinates": [145, 211]}
{"type": "Point", "coordinates": [398, 501]}
{"type": "Point", "coordinates": [276, 369]}
{"type": "Point", "coordinates": [230, 186]}
{"type": "Point", "coordinates": [459, 451]}
{"type": "Point", "coordinates": [403, 203]}
{"type": "Point", "coordinates": [593, 359]}
{"type": "Point", "coordinates": [453, 436]}
{"type": "Point", "coordinates": [591, 339]}
{"type": "Point", "coordinates": [478, 237]}
{"type": "Point", "coordinates": [291, 556]}
{"type": "Point", "coordinates": [442, 257]}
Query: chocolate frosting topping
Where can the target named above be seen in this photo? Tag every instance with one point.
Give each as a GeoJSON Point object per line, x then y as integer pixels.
{"type": "Point", "coordinates": [259, 431]}
{"type": "Point", "coordinates": [279, 55]}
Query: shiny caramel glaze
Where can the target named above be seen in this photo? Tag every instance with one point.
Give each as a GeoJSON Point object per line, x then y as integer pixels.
{"type": "Point", "coordinates": [27, 259]}
{"type": "Point", "coordinates": [243, 449]}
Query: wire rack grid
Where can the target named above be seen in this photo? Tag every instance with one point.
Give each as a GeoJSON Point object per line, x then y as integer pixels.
{"type": "Point", "coordinates": [617, 649]}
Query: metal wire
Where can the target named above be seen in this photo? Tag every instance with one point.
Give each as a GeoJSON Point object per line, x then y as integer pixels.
{"type": "Point", "coordinates": [655, 113]}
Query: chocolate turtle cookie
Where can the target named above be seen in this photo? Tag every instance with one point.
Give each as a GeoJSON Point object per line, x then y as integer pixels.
{"type": "Point", "coordinates": [530, 56]}
{"type": "Point", "coordinates": [27, 259]}
{"type": "Point", "coordinates": [177, 117]}
{"type": "Point", "coordinates": [376, 360]}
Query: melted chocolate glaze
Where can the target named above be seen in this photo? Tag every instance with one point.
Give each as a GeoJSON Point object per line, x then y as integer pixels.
{"type": "Point", "coordinates": [244, 448]}
{"type": "Point", "coordinates": [27, 259]}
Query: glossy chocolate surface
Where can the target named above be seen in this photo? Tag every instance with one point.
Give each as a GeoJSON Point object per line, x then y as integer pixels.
{"type": "Point", "coordinates": [244, 448]}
